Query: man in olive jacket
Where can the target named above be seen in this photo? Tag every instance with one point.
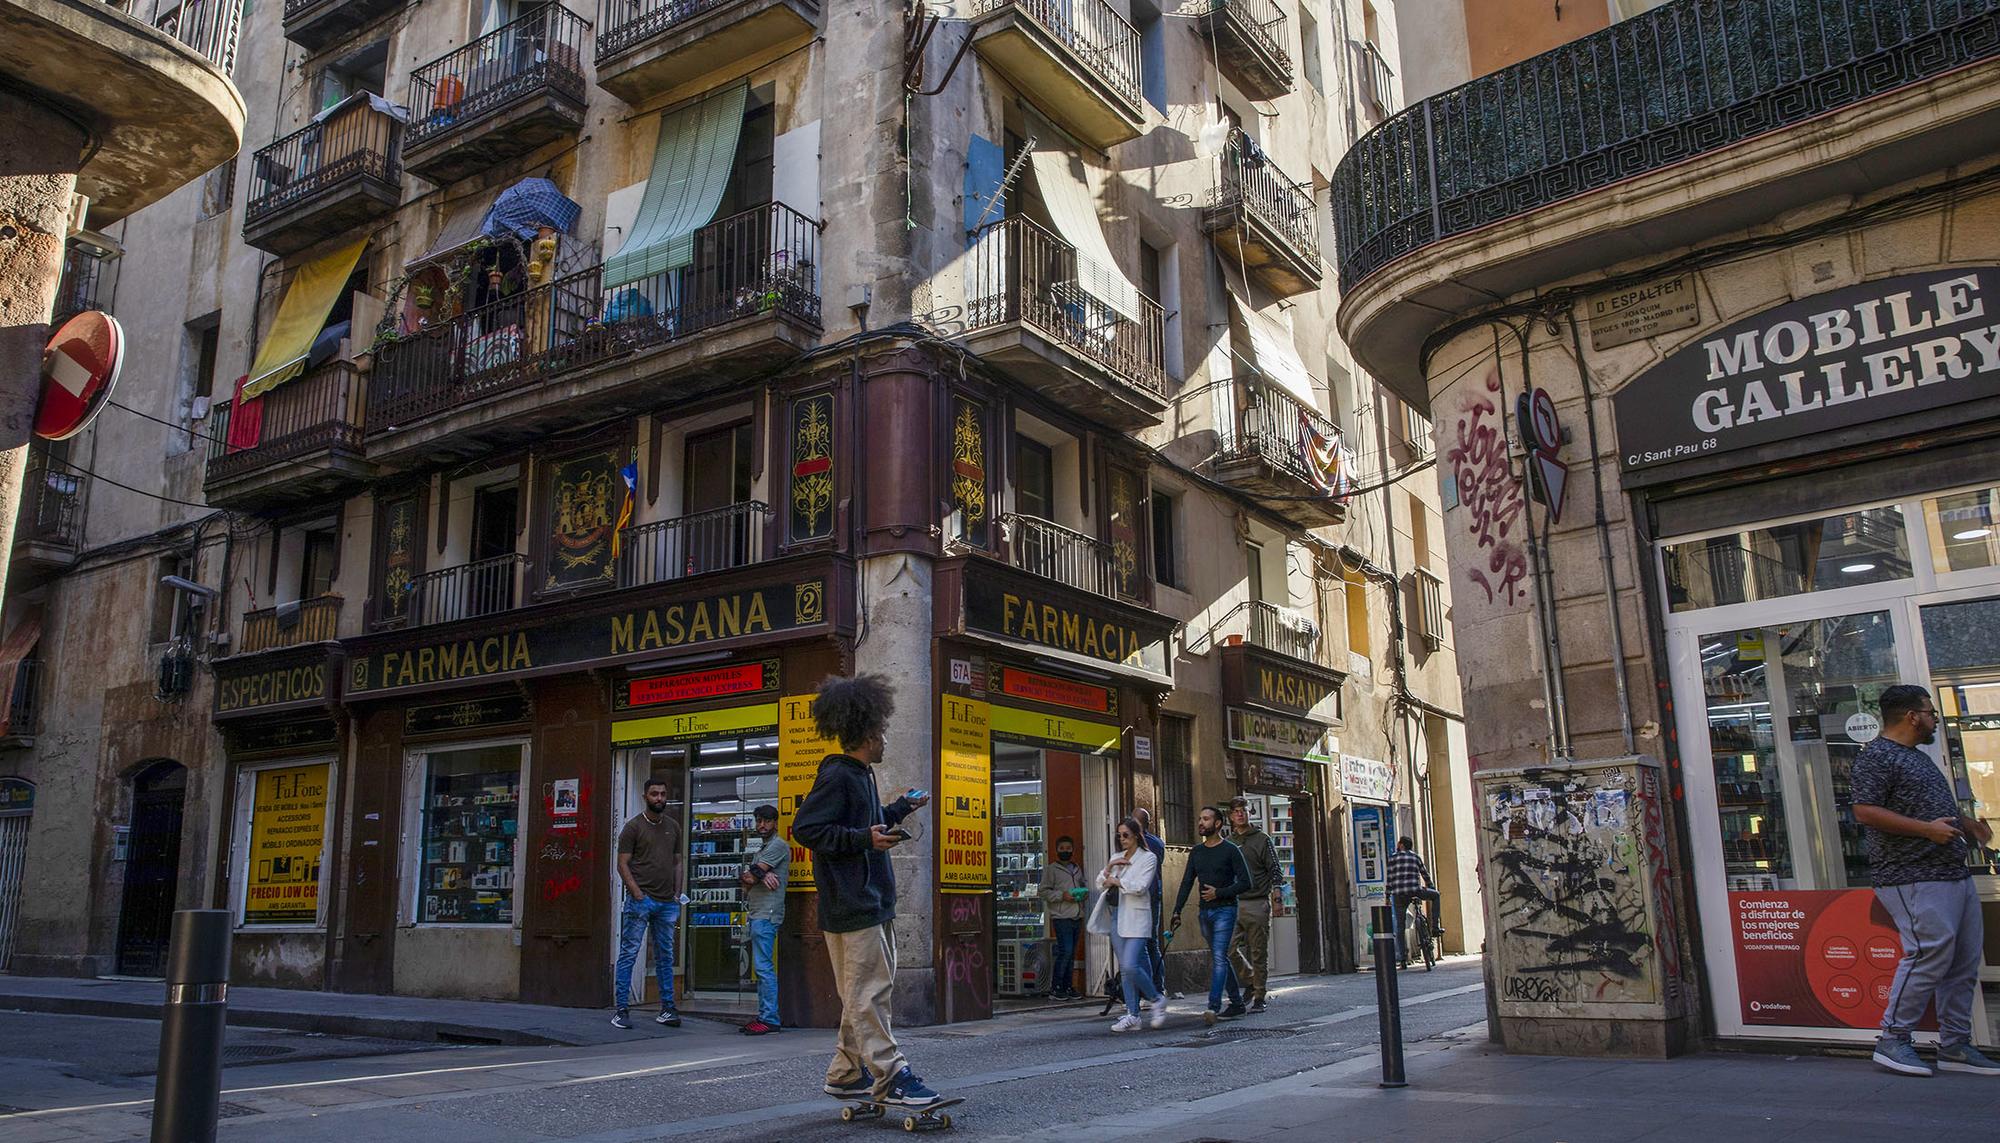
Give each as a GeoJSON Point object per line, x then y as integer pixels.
{"type": "Point", "coordinates": [1251, 949]}
{"type": "Point", "coordinates": [850, 833]}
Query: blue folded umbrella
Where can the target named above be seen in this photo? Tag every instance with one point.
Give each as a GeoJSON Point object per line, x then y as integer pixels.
{"type": "Point", "coordinates": [524, 208]}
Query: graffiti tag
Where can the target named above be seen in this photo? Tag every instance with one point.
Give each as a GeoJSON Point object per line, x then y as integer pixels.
{"type": "Point", "coordinates": [1490, 494]}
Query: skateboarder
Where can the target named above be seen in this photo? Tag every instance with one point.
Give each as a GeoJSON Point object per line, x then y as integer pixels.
{"type": "Point", "coordinates": [850, 833]}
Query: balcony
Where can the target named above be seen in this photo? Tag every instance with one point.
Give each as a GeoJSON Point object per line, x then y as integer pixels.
{"type": "Point", "coordinates": [720, 539]}
{"type": "Point", "coordinates": [1030, 313]}
{"type": "Point", "coordinates": [647, 47]}
{"type": "Point", "coordinates": [467, 591]}
{"type": "Point", "coordinates": [1278, 659]}
{"type": "Point", "coordinates": [1268, 627]}
{"type": "Point", "coordinates": [1707, 116]}
{"type": "Point", "coordinates": [1049, 550]}
{"type": "Point", "coordinates": [48, 533]}
{"type": "Point", "coordinates": [749, 301]}
{"type": "Point", "coordinates": [1077, 60]}
{"type": "Point", "coordinates": [307, 447]}
{"type": "Point", "coordinates": [1250, 44]}
{"type": "Point", "coordinates": [314, 24]}
{"type": "Point", "coordinates": [89, 281]}
{"type": "Point", "coordinates": [1285, 454]}
{"type": "Point", "coordinates": [1262, 221]}
{"type": "Point", "coordinates": [327, 179]}
{"type": "Point", "coordinates": [291, 625]}
{"type": "Point", "coordinates": [500, 96]}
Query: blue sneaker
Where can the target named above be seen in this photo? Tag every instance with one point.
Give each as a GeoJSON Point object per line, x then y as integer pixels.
{"type": "Point", "coordinates": [906, 1090]}
{"type": "Point", "coordinates": [1899, 1055]}
{"type": "Point", "coordinates": [860, 1087]}
{"type": "Point", "coordinates": [1966, 1058]}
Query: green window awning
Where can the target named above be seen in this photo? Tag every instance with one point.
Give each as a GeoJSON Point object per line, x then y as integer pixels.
{"type": "Point", "coordinates": [691, 167]}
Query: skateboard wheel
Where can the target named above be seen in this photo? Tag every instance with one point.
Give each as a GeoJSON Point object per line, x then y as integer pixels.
{"type": "Point", "coordinates": [909, 1123]}
{"type": "Point", "coordinates": [944, 1121]}
{"type": "Point", "coordinates": [847, 1115]}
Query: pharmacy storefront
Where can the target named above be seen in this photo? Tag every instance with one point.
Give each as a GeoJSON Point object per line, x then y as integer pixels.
{"type": "Point", "coordinates": [1786, 614]}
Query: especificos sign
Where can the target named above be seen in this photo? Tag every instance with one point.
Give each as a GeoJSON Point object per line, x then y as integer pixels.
{"type": "Point", "coordinates": [1848, 357]}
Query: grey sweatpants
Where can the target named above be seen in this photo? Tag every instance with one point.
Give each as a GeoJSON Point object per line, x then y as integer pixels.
{"type": "Point", "coordinates": [1943, 939]}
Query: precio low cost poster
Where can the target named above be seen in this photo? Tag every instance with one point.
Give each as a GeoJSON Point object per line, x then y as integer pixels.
{"type": "Point", "coordinates": [965, 797]}
{"type": "Point", "coordinates": [1814, 958]}
{"type": "Point", "coordinates": [800, 751]}
{"type": "Point", "coordinates": [287, 838]}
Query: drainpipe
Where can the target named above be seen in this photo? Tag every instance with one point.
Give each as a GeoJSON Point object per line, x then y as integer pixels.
{"type": "Point", "coordinates": [1603, 527]}
{"type": "Point", "coordinates": [1397, 646]}
{"type": "Point", "coordinates": [1551, 692]}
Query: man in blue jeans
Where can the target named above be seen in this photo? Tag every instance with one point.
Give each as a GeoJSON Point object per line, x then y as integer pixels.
{"type": "Point", "coordinates": [764, 881]}
{"type": "Point", "coordinates": [1223, 874]}
{"type": "Point", "coordinates": [649, 863]}
{"type": "Point", "coordinates": [1064, 886]}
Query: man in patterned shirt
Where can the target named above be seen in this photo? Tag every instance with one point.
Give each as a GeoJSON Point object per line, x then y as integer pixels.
{"type": "Point", "coordinates": [1408, 881]}
{"type": "Point", "coordinates": [1916, 852]}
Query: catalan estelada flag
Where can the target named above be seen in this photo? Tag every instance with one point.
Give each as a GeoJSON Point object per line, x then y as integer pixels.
{"type": "Point", "coordinates": [630, 475]}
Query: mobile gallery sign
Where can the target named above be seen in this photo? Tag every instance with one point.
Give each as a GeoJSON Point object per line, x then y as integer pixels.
{"type": "Point", "coordinates": [1836, 360]}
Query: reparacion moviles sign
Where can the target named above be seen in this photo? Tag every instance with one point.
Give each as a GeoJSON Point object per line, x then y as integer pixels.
{"type": "Point", "coordinates": [1847, 357]}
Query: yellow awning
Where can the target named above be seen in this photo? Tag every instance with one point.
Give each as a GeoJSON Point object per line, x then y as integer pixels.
{"type": "Point", "coordinates": [308, 300]}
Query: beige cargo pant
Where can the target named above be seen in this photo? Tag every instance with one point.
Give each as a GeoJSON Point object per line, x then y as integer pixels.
{"type": "Point", "coordinates": [864, 971]}
{"type": "Point", "coordinates": [1250, 948]}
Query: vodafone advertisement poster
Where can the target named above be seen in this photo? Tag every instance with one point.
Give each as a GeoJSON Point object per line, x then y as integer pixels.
{"type": "Point", "coordinates": [1814, 958]}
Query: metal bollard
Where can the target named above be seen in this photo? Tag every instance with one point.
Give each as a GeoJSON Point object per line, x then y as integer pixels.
{"type": "Point", "coordinates": [187, 1093]}
{"type": "Point", "coordinates": [1388, 1001]}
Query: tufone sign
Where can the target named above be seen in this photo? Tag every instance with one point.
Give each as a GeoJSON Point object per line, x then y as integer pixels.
{"type": "Point", "coordinates": [1848, 357]}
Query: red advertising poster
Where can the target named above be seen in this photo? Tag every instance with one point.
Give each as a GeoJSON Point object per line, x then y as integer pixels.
{"type": "Point", "coordinates": [1061, 692]}
{"type": "Point", "coordinates": [1814, 958]}
{"type": "Point", "coordinates": [691, 685]}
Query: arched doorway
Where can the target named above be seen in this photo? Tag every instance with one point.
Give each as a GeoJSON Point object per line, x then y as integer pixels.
{"type": "Point", "coordinates": [17, 805]}
{"type": "Point", "coordinates": [152, 869]}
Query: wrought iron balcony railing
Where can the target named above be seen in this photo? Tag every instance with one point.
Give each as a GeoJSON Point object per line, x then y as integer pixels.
{"type": "Point", "coordinates": [1685, 79]}
{"type": "Point", "coordinates": [762, 261]}
{"type": "Point", "coordinates": [210, 27]}
{"type": "Point", "coordinates": [467, 591]}
{"type": "Point", "coordinates": [715, 540]}
{"type": "Point", "coordinates": [307, 415]}
{"type": "Point", "coordinates": [355, 142]}
{"type": "Point", "coordinates": [1279, 630]}
{"type": "Point", "coordinates": [1018, 272]}
{"type": "Point", "coordinates": [543, 49]}
{"type": "Point", "coordinates": [89, 281]}
{"type": "Point", "coordinates": [1276, 428]}
{"type": "Point", "coordinates": [24, 705]}
{"type": "Point", "coordinates": [291, 624]}
{"type": "Point", "coordinates": [1047, 549]}
{"type": "Point", "coordinates": [625, 24]}
{"type": "Point", "coordinates": [1261, 21]}
{"type": "Point", "coordinates": [1251, 181]}
{"type": "Point", "coordinates": [1092, 30]}
{"type": "Point", "coordinates": [51, 504]}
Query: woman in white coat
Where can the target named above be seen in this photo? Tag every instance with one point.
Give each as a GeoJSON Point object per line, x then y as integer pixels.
{"type": "Point", "coordinates": [1131, 871]}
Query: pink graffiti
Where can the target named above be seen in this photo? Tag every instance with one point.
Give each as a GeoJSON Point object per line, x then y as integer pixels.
{"type": "Point", "coordinates": [965, 968]}
{"type": "Point", "coordinates": [1666, 934]}
{"type": "Point", "coordinates": [1487, 488]}
{"type": "Point", "coordinates": [964, 909]}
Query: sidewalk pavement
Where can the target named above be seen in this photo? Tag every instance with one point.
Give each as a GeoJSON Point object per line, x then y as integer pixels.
{"type": "Point", "coordinates": [343, 1013]}
{"type": "Point", "coordinates": [1465, 1089]}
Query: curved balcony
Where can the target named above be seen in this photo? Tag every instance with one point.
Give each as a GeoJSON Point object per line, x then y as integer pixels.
{"type": "Point", "coordinates": [154, 92]}
{"type": "Point", "coordinates": [1706, 116]}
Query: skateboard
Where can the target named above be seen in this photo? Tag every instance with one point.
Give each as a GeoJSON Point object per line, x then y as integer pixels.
{"type": "Point", "coordinates": [918, 1119]}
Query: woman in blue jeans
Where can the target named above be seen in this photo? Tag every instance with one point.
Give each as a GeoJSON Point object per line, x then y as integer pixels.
{"type": "Point", "coordinates": [1131, 872]}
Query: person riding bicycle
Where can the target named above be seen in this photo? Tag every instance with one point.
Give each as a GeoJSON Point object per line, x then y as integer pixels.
{"type": "Point", "coordinates": [1410, 880]}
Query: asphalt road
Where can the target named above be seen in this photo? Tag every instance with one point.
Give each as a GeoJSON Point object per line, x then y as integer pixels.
{"type": "Point", "coordinates": [1020, 1075]}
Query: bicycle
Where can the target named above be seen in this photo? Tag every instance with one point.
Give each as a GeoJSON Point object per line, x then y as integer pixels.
{"type": "Point", "coordinates": [1422, 937]}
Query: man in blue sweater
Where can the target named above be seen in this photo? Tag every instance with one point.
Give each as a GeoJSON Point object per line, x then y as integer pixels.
{"type": "Point", "coordinates": [850, 833]}
{"type": "Point", "coordinates": [1220, 868]}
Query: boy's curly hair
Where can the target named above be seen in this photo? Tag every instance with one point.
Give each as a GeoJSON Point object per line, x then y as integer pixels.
{"type": "Point", "coordinates": [852, 710]}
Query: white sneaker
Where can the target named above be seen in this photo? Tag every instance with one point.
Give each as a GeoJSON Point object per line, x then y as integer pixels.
{"type": "Point", "coordinates": [1126, 1023]}
{"type": "Point", "coordinates": [1160, 1013]}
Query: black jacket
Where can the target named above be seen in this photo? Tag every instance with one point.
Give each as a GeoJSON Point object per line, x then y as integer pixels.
{"type": "Point", "coordinates": [857, 889]}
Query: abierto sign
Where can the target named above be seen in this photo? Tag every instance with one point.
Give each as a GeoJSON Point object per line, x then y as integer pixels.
{"type": "Point", "coordinates": [1848, 357]}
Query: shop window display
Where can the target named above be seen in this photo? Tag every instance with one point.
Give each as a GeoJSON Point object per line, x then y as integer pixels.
{"type": "Point", "coordinates": [1018, 849]}
{"type": "Point", "coordinates": [471, 809]}
{"type": "Point", "coordinates": [728, 781]}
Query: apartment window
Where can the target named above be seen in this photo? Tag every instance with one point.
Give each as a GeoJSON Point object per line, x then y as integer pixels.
{"type": "Point", "coordinates": [1417, 432]}
{"type": "Point", "coordinates": [1166, 538]}
{"type": "Point", "coordinates": [204, 338]}
{"type": "Point", "coordinates": [1309, 51]}
{"type": "Point", "coordinates": [1357, 616]}
{"type": "Point", "coordinates": [366, 69]}
{"type": "Point", "coordinates": [1254, 569]}
{"type": "Point", "coordinates": [1176, 753]}
{"type": "Point", "coordinates": [218, 189]}
{"type": "Point", "coordinates": [1420, 531]}
{"type": "Point", "coordinates": [1034, 479]}
{"type": "Point", "coordinates": [718, 469]}
{"type": "Point", "coordinates": [319, 563]}
{"type": "Point", "coordinates": [170, 617]}
{"type": "Point", "coordinates": [1152, 53]}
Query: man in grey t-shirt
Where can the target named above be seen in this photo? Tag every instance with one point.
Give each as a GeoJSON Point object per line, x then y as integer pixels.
{"type": "Point", "coordinates": [1916, 854]}
{"type": "Point", "coordinates": [764, 880]}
